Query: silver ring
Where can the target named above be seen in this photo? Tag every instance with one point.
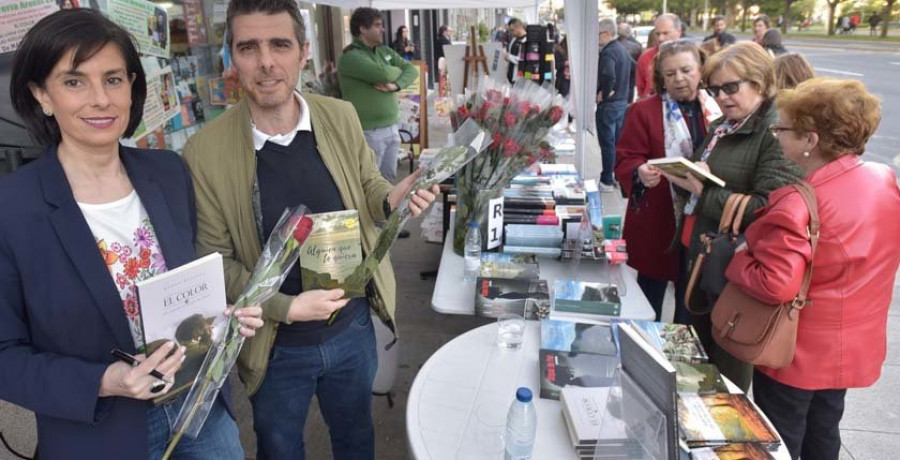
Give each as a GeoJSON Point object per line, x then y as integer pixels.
{"type": "Point", "coordinates": [157, 386]}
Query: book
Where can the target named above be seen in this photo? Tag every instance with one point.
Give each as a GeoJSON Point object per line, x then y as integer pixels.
{"type": "Point", "coordinates": [558, 169]}
{"type": "Point", "coordinates": [511, 218]}
{"type": "Point", "coordinates": [185, 305]}
{"type": "Point", "coordinates": [700, 378]}
{"type": "Point", "coordinates": [560, 369]}
{"type": "Point", "coordinates": [722, 418]}
{"type": "Point", "coordinates": [677, 342]}
{"type": "Point", "coordinates": [332, 252]}
{"type": "Point", "coordinates": [738, 451]}
{"type": "Point", "coordinates": [495, 296]}
{"type": "Point", "coordinates": [680, 166]}
{"type": "Point", "coordinates": [595, 423]}
{"type": "Point", "coordinates": [585, 298]}
{"type": "Point", "coordinates": [510, 266]}
{"type": "Point", "coordinates": [577, 337]}
{"type": "Point", "coordinates": [645, 422]}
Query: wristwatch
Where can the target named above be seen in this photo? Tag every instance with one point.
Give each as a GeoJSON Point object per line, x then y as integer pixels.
{"type": "Point", "coordinates": [387, 207]}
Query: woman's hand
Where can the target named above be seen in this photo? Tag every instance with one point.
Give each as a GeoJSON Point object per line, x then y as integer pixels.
{"type": "Point", "coordinates": [649, 175]}
{"type": "Point", "coordinates": [250, 319]}
{"type": "Point", "coordinates": [689, 183]}
{"type": "Point", "coordinates": [419, 201]}
{"type": "Point", "coordinates": [122, 379]}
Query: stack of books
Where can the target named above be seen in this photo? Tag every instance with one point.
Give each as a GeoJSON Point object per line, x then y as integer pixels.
{"type": "Point", "coordinates": [593, 428]}
{"type": "Point", "coordinates": [723, 418]}
{"type": "Point", "coordinates": [575, 354]}
{"type": "Point", "coordinates": [581, 300]}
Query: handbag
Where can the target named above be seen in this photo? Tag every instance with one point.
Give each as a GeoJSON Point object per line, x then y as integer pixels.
{"type": "Point", "coordinates": [761, 333]}
{"type": "Point", "coordinates": [717, 249]}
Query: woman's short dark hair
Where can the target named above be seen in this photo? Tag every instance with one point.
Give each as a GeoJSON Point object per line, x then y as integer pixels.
{"type": "Point", "coordinates": [669, 49]}
{"type": "Point", "coordinates": [245, 7]}
{"type": "Point", "coordinates": [85, 32]}
{"type": "Point", "coordinates": [363, 17]}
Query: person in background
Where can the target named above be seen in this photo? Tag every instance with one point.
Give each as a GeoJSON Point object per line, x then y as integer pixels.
{"type": "Point", "coordinates": [719, 33]}
{"type": "Point", "coordinates": [741, 151]}
{"type": "Point", "coordinates": [82, 224]}
{"type": "Point", "coordinates": [668, 28]}
{"type": "Point", "coordinates": [443, 38]}
{"type": "Point", "coordinates": [772, 42]}
{"type": "Point", "coordinates": [517, 34]}
{"type": "Point", "coordinates": [710, 47]}
{"type": "Point", "coordinates": [402, 45]}
{"type": "Point", "coordinates": [561, 59]}
{"type": "Point", "coordinates": [791, 69]}
{"type": "Point", "coordinates": [277, 149]}
{"type": "Point", "coordinates": [823, 126]}
{"type": "Point", "coordinates": [616, 72]}
{"type": "Point", "coordinates": [761, 25]}
{"type": "Point", "coordinates": [370, 76]}
{"type": "Point", "coordinates": [652, 39]}
{"type": "Point", "coordinates": [671, 123]}
{"type": "Point", "coordinates": [874, 20]}
{"type": "Point", "coordinates": [627, 40]}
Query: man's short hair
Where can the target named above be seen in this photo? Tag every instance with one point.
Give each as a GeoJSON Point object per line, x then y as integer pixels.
{"type": "Point", "coordinates": [718, 18]}
{"type": "Point", "coordinates": [515, 22]}
{"type": "Point", "coordinates": [608, 25]}
{"type": "Point", "coordinates": [676, 21]}
{"type": "Point", "coordinates": [624, 30]}
{"type": "Point", "coordinates": [245, 7]}
{"type": "Point", "coordinates": [363, 18]}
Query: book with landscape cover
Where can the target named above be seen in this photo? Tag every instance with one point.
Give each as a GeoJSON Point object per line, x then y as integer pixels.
{"type": "Point", "coordinates": [739, 451]}
{"type": "Point", "coordinates": [527, 297]}
{"type": "Point", "coordinates": [585, 298]}
{"type": "Point", "coordinates": [185, 305]}
{"type": "Point", "coordinates": [700, 378]}
{"type": "Point", "coordinates": [511, 266]}
{"type": "Point", "coordinates": [680, 166]}
{"type": "Point", "coordinates": [560, 369]}
{"type": "Point", "coordinates": [722, 418]}
{"type": "Point", "coordinates": [577, 337]}
{"type": "Point", "coordinates": [677, 341]}
{"type": "Point", "coordinates": [332, 252]}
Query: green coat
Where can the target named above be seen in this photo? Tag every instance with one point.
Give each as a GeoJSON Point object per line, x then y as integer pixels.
{"type": "Point", "coordinates": [222, 162]}
{"type": "Point", "coordinates": [360, 68]}
{"type": "Point", "coordinates": [750, 161]}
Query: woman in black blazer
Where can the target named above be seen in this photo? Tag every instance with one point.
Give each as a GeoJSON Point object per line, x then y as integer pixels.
{"type": "Point", "coordinates": [81, 224]}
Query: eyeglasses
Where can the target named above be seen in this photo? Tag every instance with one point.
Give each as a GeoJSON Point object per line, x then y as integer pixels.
{"type": "Point", "coordinates": [728, 88]}
{"type": "Point", "coordinates": [776, 130]}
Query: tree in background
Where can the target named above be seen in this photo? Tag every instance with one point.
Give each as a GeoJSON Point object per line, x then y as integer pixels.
{"type": "Point", "coordinates": [832, 6]}
{"type": "Point", "coordinates": [886, 16]}
{"type": "Point", "coordinates": [634, 6]}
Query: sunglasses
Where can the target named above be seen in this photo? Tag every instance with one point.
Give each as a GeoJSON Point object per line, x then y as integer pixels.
{"type": "Point", "coordinates": [727, 88]}
{"type": "Point", "coordinates": [776, 130]}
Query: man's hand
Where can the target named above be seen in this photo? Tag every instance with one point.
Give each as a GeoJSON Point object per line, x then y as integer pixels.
{"type": "Point", "coordinates": [316, 305]}
{"type": "Point", "coordinates": [387, 87]}
{"type": "Point", "coordinates": [649, 175]}
{"type": "Point", "coordinates": [419, 201]}
{"type": "Point", "coordinates": [599, 97]}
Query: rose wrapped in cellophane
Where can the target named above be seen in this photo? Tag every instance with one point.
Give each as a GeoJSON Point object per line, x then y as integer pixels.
{"type": "Point", "coordinates": [518, 119]}
{"type": "Point", "coordinates": [278, 257]}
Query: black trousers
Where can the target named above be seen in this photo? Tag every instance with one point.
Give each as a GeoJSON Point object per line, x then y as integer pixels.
{"type": "Point", "coordinates": [655, 291]}
{"type": "Point", "coordinates": [807, 420]}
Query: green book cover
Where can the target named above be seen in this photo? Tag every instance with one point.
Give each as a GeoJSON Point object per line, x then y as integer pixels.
{"type": "Point", "coordinates": [700, 378]}
{"type": "Point", "coordinates": [587, 298]}
{"type": "Point", "coordinates": [332, 252]}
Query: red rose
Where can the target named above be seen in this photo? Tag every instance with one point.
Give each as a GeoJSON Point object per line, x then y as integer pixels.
{"type": "Point", "coordinates": [506, 100]}
{"type": "Point", "coordinates": [303, 228]}
{"type": "Point", "coordinates": [509, 120]}
{"type": "Point", "coordinates": [463, 112]}
{"type": "Point", "coordinates": [555, 114]}
{"type": "Point", "coordinates": [510, 148]}
{"type": "Point", "coordinates": [497, 140]}
{"type": "Point", "coordinates": [524, 108]}
{"type": "Point", "coordinates": [530, 160]}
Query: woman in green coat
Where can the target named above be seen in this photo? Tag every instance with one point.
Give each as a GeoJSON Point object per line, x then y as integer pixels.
{"type": "Point", "coordinates": [740, 150]}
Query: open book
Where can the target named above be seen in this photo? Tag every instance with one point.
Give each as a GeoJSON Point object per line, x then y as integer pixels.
{"type": "Point", "coordinates": [680, 166]}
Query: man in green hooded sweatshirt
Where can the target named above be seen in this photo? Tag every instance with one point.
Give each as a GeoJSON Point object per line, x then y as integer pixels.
{"type": "Point", "coordinates": [370, 76]}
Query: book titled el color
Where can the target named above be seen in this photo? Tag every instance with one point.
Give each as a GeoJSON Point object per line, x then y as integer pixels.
{"type": "Point", "coordinates": [184, 305]}
{"type": "Point", "coordinates": [680, 166]}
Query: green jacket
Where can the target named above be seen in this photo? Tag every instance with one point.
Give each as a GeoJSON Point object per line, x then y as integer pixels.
{"type": "Point", "coordinates": [750, 162]}
{"type": "Point", "coordinates": [360, 68]}
{"type": "Point", "coordinates": [222, 162]}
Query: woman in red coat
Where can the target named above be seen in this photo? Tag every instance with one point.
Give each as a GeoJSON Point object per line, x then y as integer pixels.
{"type": "Point", "coordinates": [823, 126]}
{"type": "Point", "coordinates": [671, 123]}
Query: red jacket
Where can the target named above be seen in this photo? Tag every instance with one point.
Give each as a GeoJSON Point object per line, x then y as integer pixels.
{"type": "Point", "coordinates": [643, 79]}
{"type": "Point", "coordinates": [841, 337]}
{"type": "Point", "coordinates": [649, 229]}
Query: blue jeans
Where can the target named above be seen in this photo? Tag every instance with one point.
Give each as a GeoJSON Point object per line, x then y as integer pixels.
{"type": "Point", "coordinates": [340, 372]}
{"type": "Point", "coordinates": [385, 142]}
{"type": "Point", "coordinates": [610, 117]}
{"type": "Point", "coordinates": [218, 439]}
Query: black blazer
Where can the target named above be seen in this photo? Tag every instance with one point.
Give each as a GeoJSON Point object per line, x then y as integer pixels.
{"type": "Point", "coordinates": [60, 311]}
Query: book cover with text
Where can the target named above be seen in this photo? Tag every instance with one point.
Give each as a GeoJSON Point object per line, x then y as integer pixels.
{"type": "Point", "coordinates": [332, 253]}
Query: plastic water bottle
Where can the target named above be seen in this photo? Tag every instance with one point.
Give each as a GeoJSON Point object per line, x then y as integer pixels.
{"type": "Point", "coordinates": [472, 252]}
{"type": "Point", "coordinates": [521, 426]}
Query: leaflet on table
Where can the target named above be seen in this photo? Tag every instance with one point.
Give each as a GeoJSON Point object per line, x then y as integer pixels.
{"type": "Point", "coordinates": [186, 305]}
{"type": "Point", "coordinates": [332, 253]}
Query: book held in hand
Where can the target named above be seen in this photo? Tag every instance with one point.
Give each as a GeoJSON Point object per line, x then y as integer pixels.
{"type": "Point", "coordinates": [332, 252]}
{"type": "Point", "coordinates": [680, 166]}
{"type": "Point", "coordinates": [185, 305]}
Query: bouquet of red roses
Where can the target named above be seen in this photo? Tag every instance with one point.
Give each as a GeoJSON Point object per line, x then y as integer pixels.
{"type": "Point", "coordinates": [518, 119]}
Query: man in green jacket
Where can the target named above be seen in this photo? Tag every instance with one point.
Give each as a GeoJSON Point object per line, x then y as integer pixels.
{"type": "Point", "coordinates": [370, 76]}
{"type": "Point", "coordinates": [278, 149]}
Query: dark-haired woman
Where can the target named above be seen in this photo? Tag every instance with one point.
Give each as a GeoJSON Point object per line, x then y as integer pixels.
{"type": "Point", "coordinates": [402, 45]}
{"type": "Point", "coordinates": [81, 224]}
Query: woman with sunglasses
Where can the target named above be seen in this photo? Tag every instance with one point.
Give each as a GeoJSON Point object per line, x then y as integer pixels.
{"type": "Point", "coordinates": [672, 123]}
{"type": "Point", "coordinates": [823, 126]}
{"type": "Point", "coordinates": [82, 224]}
{"type": "Point", "coordinates": [740, 150]}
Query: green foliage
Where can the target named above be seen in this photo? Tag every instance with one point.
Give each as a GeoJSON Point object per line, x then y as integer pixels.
{"type": "Point", "coordinates": [484, 34]}
{"type": "Point", "coordinates": [634, 6]}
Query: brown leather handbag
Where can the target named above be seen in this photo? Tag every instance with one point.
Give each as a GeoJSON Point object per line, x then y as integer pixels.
{"type": "Point", "coordinates": [757, 332]}
{"type": "Point", "coordinates": [717, 249]}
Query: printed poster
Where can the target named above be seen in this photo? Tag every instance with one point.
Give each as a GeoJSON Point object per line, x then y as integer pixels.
{"type": "Point", "coordinates": [17, 16]}
{"type": "Point", "coordinates": [193, 21]}
{"type": "Point", "coordinates": [148, 23]}
{"type": "Point", "coordinates": [162, 101]}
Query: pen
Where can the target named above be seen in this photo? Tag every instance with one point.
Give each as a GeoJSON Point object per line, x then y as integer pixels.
{"type": "Point", "coordinates": [125, 357]}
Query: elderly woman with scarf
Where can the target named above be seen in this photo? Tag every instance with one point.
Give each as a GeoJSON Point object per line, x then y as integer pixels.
{"type": "Point", "coordinates": [672, 123]}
